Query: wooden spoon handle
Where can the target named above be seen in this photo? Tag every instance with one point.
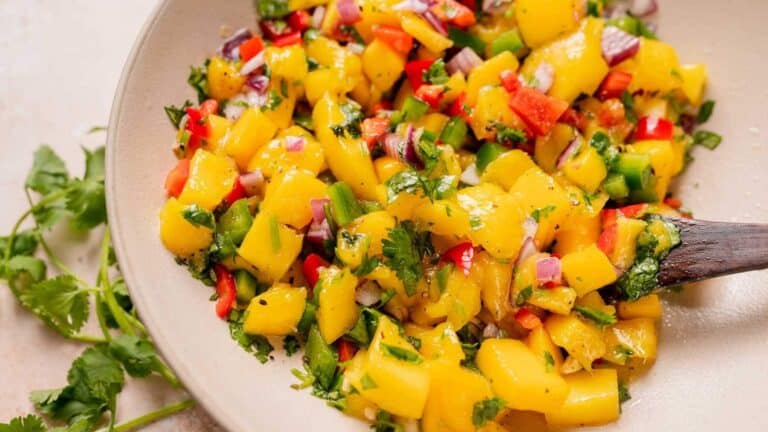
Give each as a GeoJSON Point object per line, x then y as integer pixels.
{"type": "Point", "coordinates": [711, 249]}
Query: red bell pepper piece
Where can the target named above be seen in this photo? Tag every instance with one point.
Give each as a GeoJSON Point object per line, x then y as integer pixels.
{"type": "Point", "coordinates": [209, 107]}
{"type": "Point", "coordinates": [607, 240]}
{"type": "Point", "coordinates": [394, 37]}
{"type": "Point", "coordinates": [273, 29]}
{"type": "Point", "coordinates": [613, 85]}
{"type": "Point", "coordinates": [459, 108]}
{"type": "Point", "coordinates": [289, 39]}
{"type": "Point", "coordinates": [675, 203]}
{"type": "Point", "coordinates": [238, 192]}
{"type": "Point", "coordinates": [177, 178]}
{"type": "Point", "coordinates": [634, 210]}
{"type": "Point", "coordinates": [527, 319]}
{"type": "Point", "coordinates": [461, 256]}
{"type": "Point", "coordinates": [611, 113]}
{"type": "Point", "coordinates": [654, 128]}
{"type": "Point", "coordinates": [574, 118]}
{"type": "Point", "coordinates": [195, 124]}
{"type": "Point", "coordinates": [311, 267]}
{"type": "Point", "coordinates": [381, 106]}
{"type": "Point", "coordinates": [251, 47]}
{"type": "Point", "coordinates": [431, 94]}
{"type": "Point", "coordinates": [453, 12]}
{"type": "Point", "coordinates": [299, 20]}
{"type": "Point", "coordinates": [225, 288]}
{"type": "Point", "coordinates": [373, 128]}
{"type": "Point", "coordinates": [539, 111]}
{"type": "Point", "coordinates": [414, 70]}
{"type": "Point", "coordinates": [509, 80]}
{"type": "Point", "coordinates": [347, 350]}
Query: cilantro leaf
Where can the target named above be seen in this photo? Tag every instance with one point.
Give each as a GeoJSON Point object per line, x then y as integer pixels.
{"type": "Point", "coordinates": [120, 292]}
{"type": "Point", "coordinates": [367, 266]}
{"type": "Point", "coordinates": [705, 111]}
{"type": "Point", "coordinates": [629, 107]}
{"type": "Point", "coordinates": [59, 302]}
{"type": "Point", "coordinates": [273, 101]}
{"type": "Point", "coordinates": [198, 80]}
{"type": "Point", "coordinates": [94, 164]}
{"type": "Point", "coordinates": [291, 345]}
{"type": "Point", "coordinates": [30, 423]}
{"type": "Point", "coordinates": [707, 139]}
{"type": "Point", "coordinates": [640, 280]}
{"type": "Point", "coordinates": [549, 361]}
{"type": "Point", "coordinates": [48, 215]}
{"type": "Point", "coordinates": [542, 213]}
{"type": "Point", "coordinates": [599, 317]}
{"type": "Point", "coordinates": [137, 355]}
{"type": "Point", "coordinates": [411, 182]}
{"type": "Point", "coordinates": [48, 173]}
{"type": "Point", "coordinates": [436, 73]}
{"type": "Point", "coordinates": [24, 243]}
{"type": "Point", "coordinates": [385, 423]}
{"type": "Point", "coordinates": [429, 152]}
{"type": "Point", "coordinates": [259, 346]}
{"type": "Point", "coordinates": [176, 113]}
{"type": "Point", "coordinates": [86, 199]}
{"type": "Point", "coordinates": [523, 296]}
{"type": "Point", "coordinates": [402, 255]}
{"type": "Point", "coordinates": [22, 271]}
{"type": "Point", "coordinates": [486, 410]}
{"type": "Point", "coordinates": [401, 353]}
{"type": "Point", "coordinates": [624, 392]}
{"type": "Point", "coordinates": [198, 216]}
{"type": "Point", "coordinates": [505, 134]}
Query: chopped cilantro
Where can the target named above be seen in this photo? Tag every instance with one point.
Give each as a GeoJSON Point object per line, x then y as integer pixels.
{"type": "Point", "coordinates": [198, 80]}
{"type": "Point", "coordinates": [509, 135]}
{"type": "Point", "coordinates": [198, 216]}
{"type": "Point", "coordinates": [624, 392]}
{"type": "Point", "coordinates": [549, 361]}
{"type": "Point", "coordinates": [629, 106]}
{"type": "Point", "coordinates": [707, 139]}
{"type": "Point", "coordinates": [436, 73]}
{"type": "Point", "coordinates": [402, 255]}
{"type": "Point", "coordinates": [273, 101]}
{"type": "Point", "coordinates": [486, 410]}
{"type": "Point", "coordinates": [705, 112]}
{"type": "Point", "coordinates": [599, 317]}
{"type": "Point", "coordinates": [367, 382]}
{"type": "Point", "coordinates": [259, 346]}
{"type": "Point", "coordinates": [411, 182]}
{"type": "Point", "coordinates": [175, 113]}
{"type": "Point", "coordinates": [640, 280]}
{"type": "Point", "coordinates": [291, 345]}
{"type": "Point", "coordinates": [401, 354]}
{"type": "Point", "coordinates": [367, 265]}
{"type": "Point", "coordinates": [542, 213]}
{"type": "Point", "coordinates": [523, 296]}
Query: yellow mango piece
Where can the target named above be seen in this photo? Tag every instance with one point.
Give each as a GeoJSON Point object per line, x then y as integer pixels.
{"type": "Point", "coordinates": [281, 100]}
{"type": "Point", "coordinates": [582, 340]}
{"type": "Point", "coordinates": [492, 108]}
{"type": "Point", "coordinates": [627, 230]}
{"type": "Point", "coordinates": [520, 377]}
{"type": "Point", "coordinates": [288, 63]}
{"type": "Point", "coordinates": [593, 400]}
{"type": "Point", "coordinates": [288, 197]}
{"type": "Point", "coordinates": [694, 81]}
{"type": "Point", "coordinates": [577, 60]}
{"type": "Point", "coordinates": [443, 217]}
{"type": "Point", "coordinates": [337, 311]}
{"type": "Point", "coordinates": [251, 131]}
{"type": "Point", "coordinates": [423, 32]}
{"type": "Point", "coordinates": [549, 148]}
{"type": "Point", "coordinates": [270, 246]}
{"type": "Point", "coordinates": [396, 383]}
{"type": "Point", "coordinates": [376, 12]}
{"type": "Point", "coordinates": [459, 301]}
{"type": "Point", "coordinates": [662, 160]}
{"type": "Point", "coordinates": [539, 195]}
{"type": "Point", "coordinates": [631, 339]}
{"type": "Point", "coordinates": [387, 280]}
{"type": "Point", "coordinates": [359, 407]}
{"type": "Point", "coordinates": [441, 344]}
{"type": "Point", "coordinates": [558, 300]}
{"type": "Point", "coordinates": [495, 280]}
{"type": "Point", "coordinates": [382, 65]}
{"type": "Point", "coordinates": [218, 127]}
{"type": "Point", "coordinates": [575, 237]}
{"type": "Point", "coordinates": [528, 421]}
{"type": "Point", "coordinates": [404, 205]}
{"type": "Point", "coordinates": [375, 226]}
{"type": "Point", "coordinates": [454, 87]}
{"type": "Point", "coordinates": [322, 80]}
{"type": "Point", "coordinates": [507, 168]}
{"type": "Point", "coordinates": [348, 158]}
{"type": "Point", "coordinates": [644, 307]}
{"type": "Point", "coordinates": [452, 411]}
{"type": "Point", "coordinates": [180, 236]}
{"type": "Point", "coordinates": [224, 79]}
{"type": "Point", "coordinates": [655, 67]}
{"type": "Point", "coordinates": [273, 157]}
{"type": "Point", "coordinates": [211, 178]}
{"type": "Point", "coordinates": [386, 167]}
{"type": "Point", "coordinates": [488, 74]}
{"type": "Point", "coordinates": [542, 21]}
{"type": "Point", "coordinates": [275, 312]}
{"type": "Point", "coordinates": [587, 170]}
{"type": "Point", "coordinates": [541, 344]}
{"type": "Point", "coordinates": [351, 249]}
{"type": "Point", "coordinates": [495, 219]}
{"type": "Point", "coordinates": [588, 270]}
{"type": "Point", "coordinates": [433, 122]}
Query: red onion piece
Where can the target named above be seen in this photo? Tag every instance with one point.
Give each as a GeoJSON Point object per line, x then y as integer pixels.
{"type": "Point", "coordinates": [643, 8]}
{"type": "Point", "coordinates": [257, 82]}
{"type": "Point", "coordinates": [527, 250]}
{"type": "Point", "coordinates": [548, 270]}
{"type": "Point", "coordinates": [318, 209]}
{"type": "Point", "coordinates": [435, 22]}
{"type": "Point", "coordinates": [544, 76]}
{"type": "Point", "coordinates": [495, 7]}
{"type": "Point", "coordinates": [349, 13]}
{"type": "Point", "coordinates": [569, 151]}
{"type": "Point", "coordinates": [416, 6]}
{"type": "Point", "coordinates": [464, 61]}
{"type": "Point", "coordinates": [470, 176]}
{"type": "Point", "coordinates": [491, 331]}
{"type": "Point", "coordinates": [618, 45]}
{"type": "Point", "coordinates": [394, 145]}
{"type": "Point", "coordinates": [251, 65]}
{"type": "Point", "coordinates": [355, 48]}
{"type": "Point", "coordinates": [368, 293]}
{"type": "Point", "coordinates": [319, 232]}
{"type": "Point", "coordinates": [411, 154]}
{"type": "Point", "coordinates": [317, 16]}
{"type": "Point", "coordinates": [252, 182]}
{"type": "Point", "coordinates": [294, 143]}
{"type": "Point", "coordinates": [530, 227]}
{"type": "Point", "coordinates": [230, 49]}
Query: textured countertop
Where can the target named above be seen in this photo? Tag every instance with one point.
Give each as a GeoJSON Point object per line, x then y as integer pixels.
{"type": "Point", "coordinates": [59, 66]}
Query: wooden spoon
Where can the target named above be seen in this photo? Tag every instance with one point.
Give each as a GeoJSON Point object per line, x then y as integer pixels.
{"type": "Point", "coordinates": [712, 249]}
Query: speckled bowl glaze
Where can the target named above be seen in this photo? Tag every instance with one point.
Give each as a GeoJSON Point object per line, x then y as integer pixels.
{"type": "Point", "coordinates": [711, 373]}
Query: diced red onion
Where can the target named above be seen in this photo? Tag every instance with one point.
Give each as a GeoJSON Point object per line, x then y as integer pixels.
{"type": "Point", "coordinates": [470, 176]}
{"type": "Point", "coordinates": [394, 145]}
{"type": "Point", "coordinates": [643, 8]}
{"type": "Point", "coordinates": [527, 250]}
{"type": "Point", "coordinates": [548, 270]}
{"type": "Point", "coordinates": [252, 182]}
{"type": "Point", "coordinates": [412, 156]}
{"type": "Point", "coordinates": [319, 232]}
{"type": "Point", "coordinates": [569, 151]}
{"type": "Point", "coordinates": [231, 47]}
{"type": "Point", "coordinates": [235, 107]}
{"type": "Point", "coordinates": [349, 13]}
{"type": "Point", "coordinates": [530, 227]}
{"type": "Point", "coordinates": [435, 22]}
{"type": "Point", "coordinates": [258, 83]}
{"type": "Point", "coordinates": [294, 143]}
{"type": "Point", "coordinates": [464, 61]}
{"type": "Point", "coordinates": [618, 45]}
{"type": "Point", "coordinates": [368, 293]}
{"type": "Point", "coordinates": [355, 48]}
{"type": "Point", "coordinates": [495, 7]}
{"type": "Point", "coordinates": [491, 331]}
{"type": "Point", "coordinates": [544, 76]}
{"type": "Point", "coordinates": [416, 6]}
{"type": "Point", "coordinates": [317, 16]}
{"type": "Point", "coordinates": [318, 209]}
{"type": "Point", "coordinates": [251, 65]}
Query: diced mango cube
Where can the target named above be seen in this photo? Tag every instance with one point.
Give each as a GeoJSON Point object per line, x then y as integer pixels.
{"type": "Point", "coordinates": [180, 236]}
{"type": "Point", "coordinates": [275, 312]}
{"type": "Point", "coordinates": [337, 311]}
{"type": "Point", "coordinates": [542, 21]}
{"type": "Point", "coordinates": [588, 270]}
{"type": "Point", "coordinates": [251, 131]}
{"type": "Point", "coordinates": [211, 178]}
{"type": "Point", "coordinates": [593, 399]}
{"type": "Point", "coordinates": [270, 246]}
{"type": "Point", "coordinates": [288, 197]}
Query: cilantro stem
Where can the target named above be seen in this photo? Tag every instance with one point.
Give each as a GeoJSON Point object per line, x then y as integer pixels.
{"type": "Point", "coordinates": [101, 318]}
{"type": "Point", "coordinates": [12, 237]}
{"type": "Point", "coordinates": [86, 339]}
{"type": "Point", "coordinates": [152, 417]}
{"type": "Point", "coordinates": [109, 296]}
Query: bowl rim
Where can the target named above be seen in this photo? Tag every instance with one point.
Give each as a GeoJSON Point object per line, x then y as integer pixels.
{"type": "Point", "coordinates": [190, 383]}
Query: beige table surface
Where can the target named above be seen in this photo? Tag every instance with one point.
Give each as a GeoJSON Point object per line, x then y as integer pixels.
{"type": "Point", "coordinates": [60, 61]}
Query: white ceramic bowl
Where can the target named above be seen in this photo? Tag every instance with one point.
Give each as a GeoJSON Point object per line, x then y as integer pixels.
{"type": "Point", "coordinates": [711, 373]}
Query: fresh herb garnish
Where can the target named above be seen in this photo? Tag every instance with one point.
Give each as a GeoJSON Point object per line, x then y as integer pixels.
{"type": "Point", "coordinates": [523, 296]}
{"type": "Point", "coordinates": [291, 345]}
{"type": "Point", "coordinates": [401, 251]}
{"type": "Point", "coordinates": [707, 139]}
{"type": "Point", "coordinates": [198, 80]}
{"type": "Point", "coordinates": [412, 182]}
{"type": "Point", "coordinates": [198, 216]}
{"type": "Point", "coordinates": [257, 345]}
{"type": "Point", "coordinates": [402, 354]}
{"type": "Point", "coordinates": [486, 410]}
{"type": "Point", "coordinates": [273, 101]}
{"type": "Point", "coordinates": [597, 316]}
{"type": "Point", "coordinates": [705, 112]}
{"type": "Point", "coordinates": [508, 135]}
{"type": "Point", "coordinates": [542, 213]}
{"type": "Point", "coordinates": [176, 113]}
{"type": "Point", "coordinates": [436, 73]}
{"type": "Point", "coordinates": [549, 361]}
{"type": "Point", "coordinates": [629, 107]}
